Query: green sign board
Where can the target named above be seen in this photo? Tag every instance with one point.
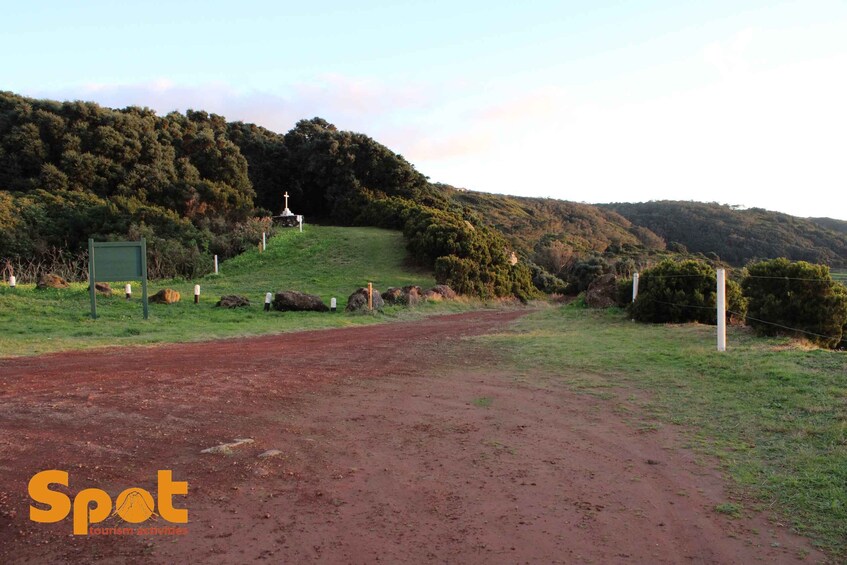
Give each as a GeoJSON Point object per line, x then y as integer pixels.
{"type": "Point", "coordinates": [111, 261]}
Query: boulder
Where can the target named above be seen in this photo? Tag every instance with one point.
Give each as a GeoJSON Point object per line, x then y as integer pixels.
{"type": "Point", "coordinates": [232, 301]}
{"type": "Point", "coordinates": [165, 296]}
{"type": "Point", "coordinates": [102, 288]}
{"type": "Point", "coordinates": [51, 281]}
{"type": "Point", "coordinates": [439, 292]}
{"type": "Point", "coordinates": [393, 296]}
{"type": "Point", "coordinates": [294, 301]}
{"type": "Point", "coordinates": [406, 296]}
{"type": "Point", "coordinates": [358, 301]}
{"type": "Point", "coordinates": [412, 294]}
{"type": "Point", "coordinates": [602, 292]}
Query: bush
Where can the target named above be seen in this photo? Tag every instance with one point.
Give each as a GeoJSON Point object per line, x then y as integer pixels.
{"type": "Point", "coordinates": [545, 282]}
{"type": "Point", "coordinates": [470, 258]}
{"type": "Point", "coordinates": [683, 291]}
{"type": "Point", "coordinates": [796, 295]}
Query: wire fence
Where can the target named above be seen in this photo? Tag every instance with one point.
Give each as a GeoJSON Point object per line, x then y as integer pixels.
{"type": "Point", "coordinates": [836, 277]}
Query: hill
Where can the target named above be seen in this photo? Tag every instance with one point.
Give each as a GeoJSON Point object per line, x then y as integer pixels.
{"type": "Point", "coordinates": [528, 221]}
{"type": "Point", "coordinates": [327, 261]}
{"type": "Point", "coordinates": [740, 235]}
{"type": "Point", "coordinates": [196, 186]}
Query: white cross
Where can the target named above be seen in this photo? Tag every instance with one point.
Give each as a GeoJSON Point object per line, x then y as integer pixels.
{"type": "Point", "coordinates": [286, 200]}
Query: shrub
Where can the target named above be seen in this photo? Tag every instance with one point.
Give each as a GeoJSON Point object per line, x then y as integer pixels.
{"type": "Point", "coordinates": [797, 295]}
{"type": "Point", "coordinates": [683, 291]}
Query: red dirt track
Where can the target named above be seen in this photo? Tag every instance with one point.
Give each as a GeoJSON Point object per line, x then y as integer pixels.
{"type": "Point", "coordinates": [399, 443]}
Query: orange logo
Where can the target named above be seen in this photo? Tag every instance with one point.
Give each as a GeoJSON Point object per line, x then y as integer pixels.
{"type": "Point", "coordinates": [133, 505]}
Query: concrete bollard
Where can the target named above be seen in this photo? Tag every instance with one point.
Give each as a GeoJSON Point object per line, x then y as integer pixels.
{"type": "Point", "coordinates": [268, 302]}
{"type": "Point", "coordinates": [216, 264]}
{"type": "Point", "coordinates": [128, 291]}
{"type": "Point", "coordinates": [332, 304]}
{"type": "Point", "coordinates": [196, 294]}
{"type": "Point", "coordinates": [12, 281]}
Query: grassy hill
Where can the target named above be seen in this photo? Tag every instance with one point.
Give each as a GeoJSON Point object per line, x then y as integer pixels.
{"type": "Point", "coordinates": [327, 261]}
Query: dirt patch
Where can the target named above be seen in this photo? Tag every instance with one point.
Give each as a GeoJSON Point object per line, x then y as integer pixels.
{"type": "Point", "coordinates": [398, 443]}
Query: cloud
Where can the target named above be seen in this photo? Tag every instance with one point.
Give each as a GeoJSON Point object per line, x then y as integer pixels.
{"type": "Point", "coordinates": [531, 106]}
{"type": "Point", "coordinates": [729, 57]}
{"type": "Point", "coordinates": [349, 103]}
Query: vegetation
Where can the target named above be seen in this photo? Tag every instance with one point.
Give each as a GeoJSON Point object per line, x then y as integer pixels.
{"type": "Point", "coordinates": [796, 299]}
{"type": "Point", "coordinates": [686, 291]}
{"type": "Point", "coordinates": [773, 414]}
{"type": "Point", "coordinates": [739, 236]}
{"type": "Point", "coordinates": [327, 261]}
{"type": "Point", "coordinates": [196, 185]}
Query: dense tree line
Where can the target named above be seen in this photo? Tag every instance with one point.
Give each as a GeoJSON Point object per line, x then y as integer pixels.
{"type": "Point", "coordinates": [740, 236]}
{"type": "Point", "coordinates": [195, 185]}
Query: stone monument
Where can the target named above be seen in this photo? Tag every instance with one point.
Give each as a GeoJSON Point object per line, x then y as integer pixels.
{"type": "Point", "coordinates": [288, 219]}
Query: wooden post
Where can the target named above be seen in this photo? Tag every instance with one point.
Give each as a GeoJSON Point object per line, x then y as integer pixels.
{"type": "Point", "coordinates": [634, 286]}
{"type": "Point", "coordinates": [260, 247]}
{"type": "Point", "coordinates": [196, 294]}
{"type": "Point", "coordinates": [370, 296]}
{"type": "Point", "coordinates": [721, 310]}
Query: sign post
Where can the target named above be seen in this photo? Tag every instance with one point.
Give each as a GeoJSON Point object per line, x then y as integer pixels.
{"type": "Point", "coordinates": [112, 261]}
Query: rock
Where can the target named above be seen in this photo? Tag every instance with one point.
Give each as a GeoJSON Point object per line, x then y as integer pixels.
{"type": "Point", "coordinates": [602, 292]}
{"type": "Point", "coordinates": [232, 301]}
{"type": "Point", "coordinates": [406, 296]}
{"type": "Point", "coordinates": [165, 296]}
{"type": "Point", "coordinates": [294, 301]}
{"type": "Point", "coordinates": [413, 294]}
{"type": "Point", "coordinates": [226, 448]}
{"type": "Point", "coordinates": [358, 301]}
{"type": "Point", "coordinates": [393, 296]}
{"type": "Point", "coordinates": [270, 453]}
{"type": "Point", "coordinates": [103, 288]}
{"type": "Point", "coordinates": [440, 291]}
{"type": "Point", "coordinates": [51, 281]}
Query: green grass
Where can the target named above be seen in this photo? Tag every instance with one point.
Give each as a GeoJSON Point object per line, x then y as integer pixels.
{"type": "Point", "coordinates": [327, 261]}
{"type": "Point", "coordinates": [774, 412]}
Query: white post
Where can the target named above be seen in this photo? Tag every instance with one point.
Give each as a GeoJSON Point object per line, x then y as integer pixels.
{"type": "Point", "coordinates": [12, 281]}
{"type": "Point", "coordinates": [721, 310]}
{"type": "Point", "coordinates": [196, 294]}
{"type": "Point", "coordinates": [128, 291]}
{"type": "Point", "coordinates": [300, 219]}
{"type": "Point", "coordinates": [264, 242]}
{"type": "Point", "coordinates": [216, 264]}
{"type": "Point", "coordinates": [268, 302]}
{"type": "Point", "coordinates": [634, 286]}
{"type": "Point", "coordinates": [332, 304]}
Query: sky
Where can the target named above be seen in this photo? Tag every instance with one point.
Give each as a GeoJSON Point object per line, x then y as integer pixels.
{"type": "Point", "coordinates": [737, 102]}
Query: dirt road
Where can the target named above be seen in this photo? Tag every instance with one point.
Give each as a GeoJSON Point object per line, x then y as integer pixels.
{"type": "Point", "coordinates": [397, 443]}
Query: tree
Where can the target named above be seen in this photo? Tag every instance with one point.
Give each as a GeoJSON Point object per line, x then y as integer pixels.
{"type": "Point", "coordinates": [683, 291]}
{"type": "Point", "coordinates": [796, 298]}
